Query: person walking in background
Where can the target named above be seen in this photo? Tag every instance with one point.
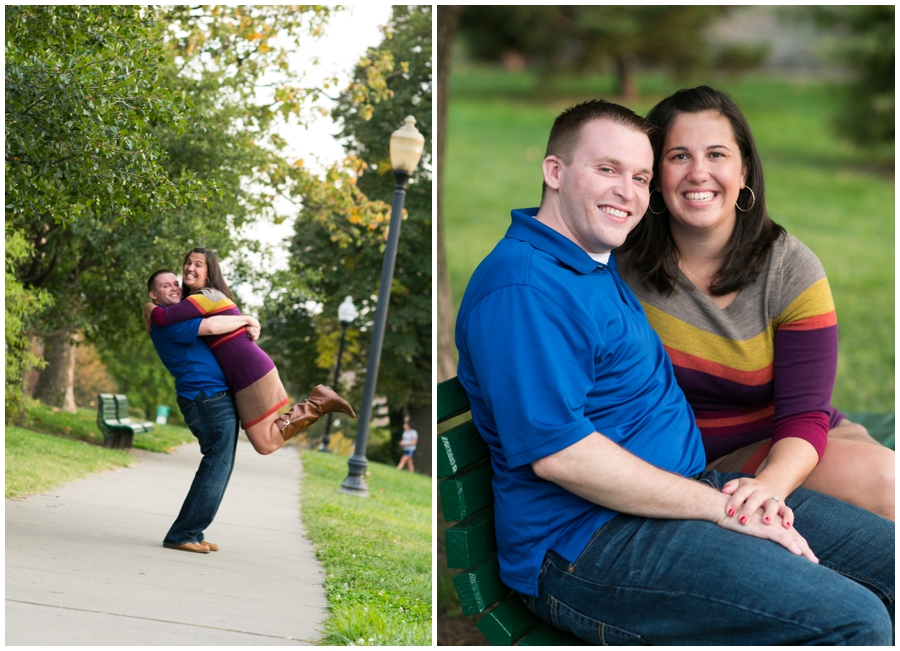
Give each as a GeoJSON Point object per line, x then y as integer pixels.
{"type": "Point", "coordinates": [408, 442]}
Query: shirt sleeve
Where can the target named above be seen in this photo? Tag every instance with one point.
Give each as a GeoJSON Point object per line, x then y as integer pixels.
{"type": "Point", "coordinates": [207, 302]}
{"type": "Point", "coordinates": [806, 341]}
{"type": "Point", "coordinates": [184, 332]}
{"type": "Point", "coordinates": [534, 364]}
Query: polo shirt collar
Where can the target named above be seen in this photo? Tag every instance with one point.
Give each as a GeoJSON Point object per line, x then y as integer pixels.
{"type": "Point", "coordinates": [526, 228]}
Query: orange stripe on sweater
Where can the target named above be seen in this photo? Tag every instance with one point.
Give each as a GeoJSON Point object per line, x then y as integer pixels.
{"type": "Point", "coordinates": [812, 323]}
{"type": "Point", "coordinates": [747, 378]}
{"type": "Point", "coordinates": [767, 412]}
{"type": "Point", "coordinates": [229, 336]}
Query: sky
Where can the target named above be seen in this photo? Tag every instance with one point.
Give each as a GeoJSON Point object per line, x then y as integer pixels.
{"type": "Point", "coordinates": [348, 34]}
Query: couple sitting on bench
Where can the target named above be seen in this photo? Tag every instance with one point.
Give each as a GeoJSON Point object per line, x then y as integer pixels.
{"type": "Point", "coordinates": [624, 514]}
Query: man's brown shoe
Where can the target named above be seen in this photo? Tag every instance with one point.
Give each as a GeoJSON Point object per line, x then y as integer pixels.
{"type": "Point", "coordinates": [200, 548]}
{"type": "Point", "coordinates": [323, 400]}
{"type": "Point", "coordinates": [213, 547]}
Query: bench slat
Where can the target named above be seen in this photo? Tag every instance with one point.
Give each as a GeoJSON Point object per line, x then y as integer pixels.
{"type": "Point", "coordinates": [467, 493]}
{"type": "Point", "coordinates": [480, 587]}
{"type": "Point", "coordinates": [471, 541]}
{"type": "Point", "coordinates": [460, 448]}
{"type": "Point", "coordinates": [452, 400]}
{"type": "Point", "coordinates": [508, 622]}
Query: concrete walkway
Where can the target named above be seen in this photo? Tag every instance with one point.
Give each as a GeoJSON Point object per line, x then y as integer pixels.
{"type": "Point", "coordinates": [85, 562]}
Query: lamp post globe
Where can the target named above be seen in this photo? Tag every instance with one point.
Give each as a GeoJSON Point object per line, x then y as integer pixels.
{"type": "Point", "coordinates": [406, 150]}
{"type": "Point", "coordinates": [346, 315]}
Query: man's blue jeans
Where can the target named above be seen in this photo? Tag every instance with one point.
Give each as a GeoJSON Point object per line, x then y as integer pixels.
{"type": "Point", "coordinates": [213, 420]}
{"type": "Point", "coordinates": [676, 582]}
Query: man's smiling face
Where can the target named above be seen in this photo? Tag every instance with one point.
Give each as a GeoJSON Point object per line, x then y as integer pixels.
{"type": "Point", "coordinates": [605, 189]}
{"type": "Point", "coordinates": [167, 290]}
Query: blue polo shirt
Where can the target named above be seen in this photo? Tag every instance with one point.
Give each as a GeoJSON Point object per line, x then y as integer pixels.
{"type": "Point", "coordinates": [553, 346]}
{"type": "Point", "coordinates": [188, 359]}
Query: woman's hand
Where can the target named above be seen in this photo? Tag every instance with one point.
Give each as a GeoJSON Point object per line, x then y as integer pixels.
{"type": "Point", "coordinates": [749, 494]}
{"type": "Point", "coordinates": [146, 312]}
{"type": "Point", "coordinates": [253, 333]}
{"type": "Point", "coordinates": [784, 535]}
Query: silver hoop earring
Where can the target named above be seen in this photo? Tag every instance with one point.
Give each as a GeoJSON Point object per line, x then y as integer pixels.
{"type": "Point", "coordinates": [650, 208]}
{"type": "Point", "coordinates": [748, 209]}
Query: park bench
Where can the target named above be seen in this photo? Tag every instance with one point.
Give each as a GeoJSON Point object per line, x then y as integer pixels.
{"type": "Point", "coordinates": [113, 420]}
{"type": "Point", "coordinates": [464, 474]}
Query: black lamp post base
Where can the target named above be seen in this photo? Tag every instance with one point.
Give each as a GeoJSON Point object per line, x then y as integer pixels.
{"type": "Point", "coordinates": [355, 483]}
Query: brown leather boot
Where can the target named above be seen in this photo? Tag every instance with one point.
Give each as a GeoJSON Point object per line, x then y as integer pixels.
{"type": "Point", "coordinates": [323, 400]}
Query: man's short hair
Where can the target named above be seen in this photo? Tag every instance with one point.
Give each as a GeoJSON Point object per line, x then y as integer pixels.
{"type": "Point", "coordinates": [151, 281]}
{"type": "Point", "coordinates": [567, 127]}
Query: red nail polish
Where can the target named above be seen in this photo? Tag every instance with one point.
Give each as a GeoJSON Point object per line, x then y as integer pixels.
{"type": "Point", "coordinates": [730, 511]}
{"type": "Point", "coordinates": [787, 525]}
{"type": "Point", "coordinates": [768, 519]}
{"type": "Point", "coordinates": [743, 519]}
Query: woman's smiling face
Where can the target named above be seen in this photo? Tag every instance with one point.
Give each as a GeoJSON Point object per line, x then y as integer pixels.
{"type": "Point", "coordinates": [195, 271]}
{"type": "Point", "coordinates": [701, 172]}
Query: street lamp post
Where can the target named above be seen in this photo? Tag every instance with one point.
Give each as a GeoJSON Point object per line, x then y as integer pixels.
{"type": "Point", "coordinates": [406, 150]}
{"type": "Point", "coordinates": [346, 314]}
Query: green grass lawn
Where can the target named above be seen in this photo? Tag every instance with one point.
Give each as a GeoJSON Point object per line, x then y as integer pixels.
{"type": "Point", "coordinates": [376, 552]}
{"type": "Point", "coordinates": [38, 462]}
{"type": "Point", "coordinates": [54, 447]}
{"type": "Point", "coordinates": [836, 198]}
{"type": "Point", "coordinates": [82, 426]}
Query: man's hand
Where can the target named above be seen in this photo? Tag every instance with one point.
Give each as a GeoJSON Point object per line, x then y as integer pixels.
{"type": "Point", "coordinates": [146, 312]}
{"type": "Point", "coordinates": [253, 332]}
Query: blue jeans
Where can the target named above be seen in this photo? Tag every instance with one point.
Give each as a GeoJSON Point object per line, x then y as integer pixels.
{"type": "Point", "coordinates": [213, 420]}
{"type": "Point", "coordinates": [678, 582]}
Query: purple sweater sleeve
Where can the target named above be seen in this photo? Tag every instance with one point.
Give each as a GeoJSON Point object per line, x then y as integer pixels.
{"type": "Point", "coordinates": [806, 343]}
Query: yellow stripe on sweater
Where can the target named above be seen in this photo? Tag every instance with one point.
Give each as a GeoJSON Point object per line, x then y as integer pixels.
{"type": "Point", "coordinates": [813, 301]}
{"type": "Point", "coordinates": [752, 354]}
{"type": "Point", "coordinates": [206, 306]}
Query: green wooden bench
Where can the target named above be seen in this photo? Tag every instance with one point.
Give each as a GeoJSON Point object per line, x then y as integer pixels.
{"type": "Point", "coordinates": [464, 473]}
{"type": "Point", "coordinates": [113, 420]}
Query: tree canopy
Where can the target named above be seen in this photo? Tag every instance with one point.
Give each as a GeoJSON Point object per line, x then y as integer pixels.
{"type": "Point", "coordinates": [591, 37]}
{"type": "Point", "coordinates": [339, 242]}
{"type": "Point", "coordinates": [134, 134]}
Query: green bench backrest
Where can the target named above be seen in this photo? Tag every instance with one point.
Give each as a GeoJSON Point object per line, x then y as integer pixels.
{"type": "Point", "coordinates": [464, 474]}
{"type": "Point", "coordinates": [122, 407]}
{"type": "Point", "coordinates": [107, 409]}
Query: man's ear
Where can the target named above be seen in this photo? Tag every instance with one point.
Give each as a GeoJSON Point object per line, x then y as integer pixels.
{"type": "Point", "coordinates": [552, 167]}
{"type": "Point", "coordinates": [153, 296]}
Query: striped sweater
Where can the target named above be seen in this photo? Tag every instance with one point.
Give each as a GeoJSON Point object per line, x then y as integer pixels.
{"type": "Point", "coordinates": [764, 366]}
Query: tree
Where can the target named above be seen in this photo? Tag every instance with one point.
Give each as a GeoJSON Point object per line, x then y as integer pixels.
{"type": "Point", "coordinates": [866, 44]}
{"type": "Point", "coordinates": [338, 246]}
{"type": "Point", "coordinates": [448, 21]}
{"type": "Point", "coordinates": [588, 37]}
{"type": "Point", "coordinates": [80, 91]}
{"type": "Point", "coordinates": [93, 252]}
